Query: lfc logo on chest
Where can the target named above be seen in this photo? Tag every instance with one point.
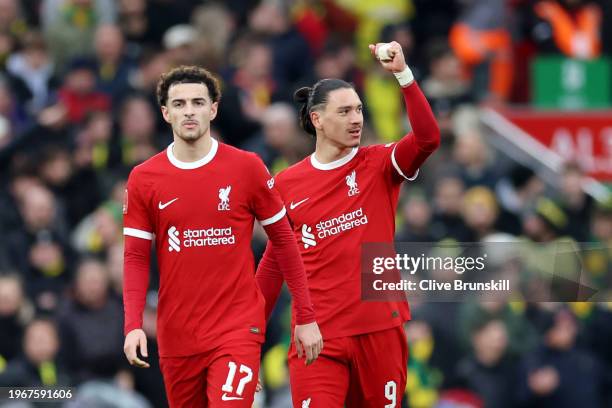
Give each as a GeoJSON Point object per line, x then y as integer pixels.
{"type": "Point", "coordinates": [351, 182]}
{"type": "Point", "coordinates": [224, 198]}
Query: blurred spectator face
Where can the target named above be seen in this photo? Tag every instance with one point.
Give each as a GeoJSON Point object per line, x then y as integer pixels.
{"type": "Point", "coordinates": [404, 36]}
{"type": "Point", "coordinates": [107, 226]}
{"type": "Point", "coordinates": [268, 18]}
{"type": "Point", "coordinates": [8, 13]}
{"type": "Point", "coordinates": [37, 208]}
{"type": "Point", "coordinates": [6, 99]}
{"type": "Point", "coordinates": [535, 228]}
{"type": "Point", "coordinates": [57, 168]}
{"type": "Point", "coordinates": [449, 195]}
{"type": "Point", "coordinates": [279, 125]}
{"type": "Point", "coordinates": [258, 61]}
{"type": "Point", "coordinates": [132, 6]}
{"type": "Point", "coordinates": [81, 81]}
{"type": "Point", "coordinates": [22, 184]}
{"type": "Point", "coordinates": [137, 120]}
{"type": "Point", "coordinates": [480, 209]}
{"type": "Point", "coordinates": [490, 343]}
{"type": "Point", "coordinates": [109, 43]}
{"type": "Point", "coordinates": [602, 226]}
{"type": "Point", "coordinates": [98, 128]}
{"type": "Point", "coordinates": [92, 284]}
{"type": "Point", "coordinates": [563, 334]}
{"type": "Point", "coordinates": [447, 68]}
{"type": "Point", "coordinates": [335, 63]}
{"type": "Point", "coordinates": [470, 149]}
{"type": "Point", "coordinates": [41, 342]}
{"type": "Point", "coordinates": [11, 296]}
{"type": "Point", "coordinates": [417, 213]}
{"type": "Point", "coordinates": [571, 183]}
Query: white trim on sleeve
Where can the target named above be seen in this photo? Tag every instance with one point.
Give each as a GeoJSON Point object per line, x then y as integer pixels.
{"type": "Point", "coordinates": [397, 168]}
{"type": "Point", "coordinates": [133, 232]}
{"type": "Point", "coordinates": [274, 218]}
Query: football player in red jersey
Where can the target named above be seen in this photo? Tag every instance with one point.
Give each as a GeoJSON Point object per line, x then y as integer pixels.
{"type": "Point", "coordinates": [338, 198]}
{"type": "Point", "coordinates": [199, 199]}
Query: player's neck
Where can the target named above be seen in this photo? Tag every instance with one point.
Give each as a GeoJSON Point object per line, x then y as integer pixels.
{"type": "Point", "coordinates": [191, 152]}
{"type": "Point", "coordinates": [327, 152]}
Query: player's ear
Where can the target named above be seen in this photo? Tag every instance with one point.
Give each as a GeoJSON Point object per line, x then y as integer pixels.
{"type": "Point", "coordinates": [315, 118]}
{"type": "Point", "coordinates": [213, 110]}
{"type": "Point", "coordinates": [165, 114]}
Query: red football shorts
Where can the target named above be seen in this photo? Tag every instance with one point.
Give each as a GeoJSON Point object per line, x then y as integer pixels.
{"type": "Point", "coordinates": [367, 370]}
{"type": "Point", "coordinates": [223, 377]}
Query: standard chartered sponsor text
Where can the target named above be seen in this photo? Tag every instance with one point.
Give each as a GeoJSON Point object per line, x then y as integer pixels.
{"type": "Point", "coordinates": [344, 222]}
{"type": "Point", "coordinates": [208, 237]}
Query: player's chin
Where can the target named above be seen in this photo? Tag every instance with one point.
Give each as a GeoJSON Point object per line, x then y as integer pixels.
{"type": "Point", "coordinates": [353, 139]}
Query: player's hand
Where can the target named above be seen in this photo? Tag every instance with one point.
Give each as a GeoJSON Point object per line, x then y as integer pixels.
{"type": "Point", "coordinates": [396, 63]}
{"type": "Point", "coordinates": [135, 340]}
{"type": "Point", "coordinates": [308, 341]}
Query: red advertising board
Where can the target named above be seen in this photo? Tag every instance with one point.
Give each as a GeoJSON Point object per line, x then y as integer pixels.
{"type": "Point", "coordinates": [582, 136]}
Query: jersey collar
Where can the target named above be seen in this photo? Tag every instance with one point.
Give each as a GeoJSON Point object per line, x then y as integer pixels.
{"type": "Point", "coordinates": [195, 164]}
{"type": "Point", "coordinates": [336, 163]}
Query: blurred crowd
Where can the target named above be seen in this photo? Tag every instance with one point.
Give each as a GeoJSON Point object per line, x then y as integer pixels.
{"type": "Point", "coordinates": [77, 112]}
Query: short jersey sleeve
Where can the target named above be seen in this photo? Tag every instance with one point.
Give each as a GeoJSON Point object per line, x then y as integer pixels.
{"type": "Point", "coordinates": [136, 215]}
{"type": "Point", "coordinates": [386, 155]}
{"type": "Point", "coordinates": [265, 201]}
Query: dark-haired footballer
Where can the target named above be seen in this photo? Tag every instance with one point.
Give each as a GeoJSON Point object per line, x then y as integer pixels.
{"type": "Point", "coordinates": [338, 198]}
{"type": "Point", "coordinates": [199, 199]}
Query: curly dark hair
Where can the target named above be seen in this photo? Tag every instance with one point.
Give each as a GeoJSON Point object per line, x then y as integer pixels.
{"type": "Point", "coordinates": [187, 75]}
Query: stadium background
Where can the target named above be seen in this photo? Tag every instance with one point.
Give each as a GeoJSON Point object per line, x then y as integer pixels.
{"type": "Point", "coordinates": [77, 112]}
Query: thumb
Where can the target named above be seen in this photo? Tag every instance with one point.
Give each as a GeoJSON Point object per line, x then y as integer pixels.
{"type": "Point", "coordinates": [143, 346]}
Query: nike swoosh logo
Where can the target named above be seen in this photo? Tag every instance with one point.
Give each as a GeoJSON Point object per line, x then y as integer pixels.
{"type": "Point", "coordinates": [225, 397]}
{"type": "Point", "coordinates": [162, 206]}
{"type": "Point", "coordinates": [293, 205]}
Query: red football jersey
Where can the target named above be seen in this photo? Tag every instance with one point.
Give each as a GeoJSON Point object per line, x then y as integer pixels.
{"type": "Point", "coordinates": [334, 208]}
{"type": "Point", "coordinates": [201, 215]}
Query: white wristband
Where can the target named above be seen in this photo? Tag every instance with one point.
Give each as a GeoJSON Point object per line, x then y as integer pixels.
{"type": "Point", "coordinates": [405, 77]}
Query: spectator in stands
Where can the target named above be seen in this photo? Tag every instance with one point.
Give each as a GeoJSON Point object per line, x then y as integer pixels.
{"type": "Point", "coordinates": [70, 26]}
{"type": "Point", "coordinates": [39, 366]}
{"type": "Point", "coordinates": [488, 370]}
{"type": "Point", "coordinates": [416, 213]}
{"type": "Point", "coordinates": [447, 221]}
{"type": "Point", "coordinates": [15, 312]}
{"type": "Point", "coordinates": [480, 211]}
{"type": "Point", "coordinates": [569, 27]}
{"type": "Point", "coordinates": [481, 40]}
{"type": "Point", "coordinates": [281, 142]}
{"type": "Point", "coordinates": [474, 159]}
{"type": "Point", "coordinates": [114, 65]}
{"type": "Point", "coordinates": [78, 94]}
{"type": "Point", "coordinates": [558, 374]}
{"type": "Point", "coordinates": [40, 250]}
{"type": "Point", "coordinates": [91, 326]}
{"type": "Point", "coordinates": [34, 67]}
{"type": "Point", "coordinates": [576, 203]}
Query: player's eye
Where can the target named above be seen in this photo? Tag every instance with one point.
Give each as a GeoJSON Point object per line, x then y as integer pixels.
{"type": "Point", "coordinates": [343, 112]}
{"type": "Point", "coordinates": [177, 104]}
{"type": "Point", "coordinates": [199, 103]}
